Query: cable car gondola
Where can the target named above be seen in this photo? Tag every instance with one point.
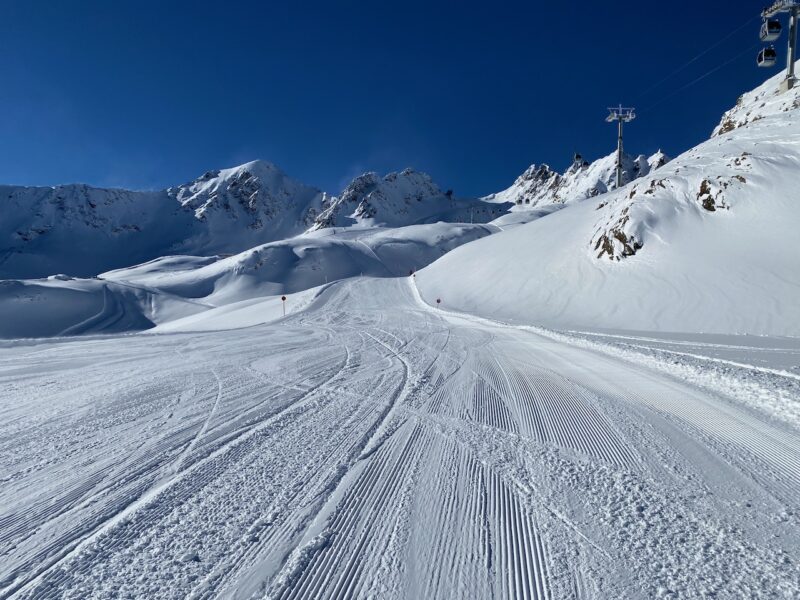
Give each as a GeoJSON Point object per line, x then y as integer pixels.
{"type": "Point", "coordinates": [767, 57]}
{"type": "Point", "coordinates": [770, 30]}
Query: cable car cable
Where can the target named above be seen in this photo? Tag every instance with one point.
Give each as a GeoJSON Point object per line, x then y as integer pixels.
{"type": "Point", "coordinates": [699, 79]}
{"type": "Point", "coordinates": [699, 56]}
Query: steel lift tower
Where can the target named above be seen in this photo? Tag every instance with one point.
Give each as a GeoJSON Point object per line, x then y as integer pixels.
{"type": "Point", "coordinates": [620, 115]}
{"type": "Point", "coordinates": [771, 30]}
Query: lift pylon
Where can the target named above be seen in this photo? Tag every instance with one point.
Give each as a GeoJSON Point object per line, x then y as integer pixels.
{"type": "Point", "coordinates": [792, 7]}
{"type": "Point", "coordinates": [620, 115]}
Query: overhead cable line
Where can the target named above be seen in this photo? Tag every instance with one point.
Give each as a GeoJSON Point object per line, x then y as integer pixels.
{"type": "Point", "coordinates": [699, 79]}
{"type": "Point", "coordinates": [698, 57]}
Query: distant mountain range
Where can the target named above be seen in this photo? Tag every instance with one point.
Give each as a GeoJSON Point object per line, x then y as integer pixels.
{"type": "Point", "coordinates": [81, 230]}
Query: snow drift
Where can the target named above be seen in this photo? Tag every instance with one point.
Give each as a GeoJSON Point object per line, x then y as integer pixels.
{"type": "Point", "coordinates": [300, 263]}
{"type": "Point", "coordinates": [63, 306]}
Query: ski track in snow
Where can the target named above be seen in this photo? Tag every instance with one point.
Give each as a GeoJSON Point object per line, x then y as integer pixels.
{"type": "Point", "coordinates": [373, 447]}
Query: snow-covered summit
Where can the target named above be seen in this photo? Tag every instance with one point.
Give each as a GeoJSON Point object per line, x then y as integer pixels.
{"type": "Point", "coordinates": [256, 192]}
{"type": "Point", "coordinates": [540, 185]}
{"type": "Point", "coordinates": [404, 198]}
{"type": "Point", "coordinates": [245, 206]}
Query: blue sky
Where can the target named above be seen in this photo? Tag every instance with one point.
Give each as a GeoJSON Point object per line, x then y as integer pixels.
{"type": "Point", "coordinates": [149, 94]}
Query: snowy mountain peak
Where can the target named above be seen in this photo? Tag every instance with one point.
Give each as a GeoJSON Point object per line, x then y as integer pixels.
{"type": "Point", "coordinates": [540, 185]}
{"type": "Point", "coordinates": [657, 160]}
{"type": "Point", "coordinates": [405, 197]}
{"type": "Point", "coordinates": [255, 192]}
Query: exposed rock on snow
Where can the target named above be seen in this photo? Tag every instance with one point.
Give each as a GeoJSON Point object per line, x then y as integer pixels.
{"type": "Point", "coordinates": [81, 230]}
{"type": "Point", "coordinates": [404, 198]}
{"type": "Point", "coordinates": [540, 185]}
{"type": "Point", "coordinates": [764, 101]}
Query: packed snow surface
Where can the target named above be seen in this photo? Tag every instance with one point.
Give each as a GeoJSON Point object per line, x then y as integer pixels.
{"type": "Point", "coordinates": [369, 445]}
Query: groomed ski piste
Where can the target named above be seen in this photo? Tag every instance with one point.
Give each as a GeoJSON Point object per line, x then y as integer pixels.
{"type": "Point", "coordinates": [371, 445]}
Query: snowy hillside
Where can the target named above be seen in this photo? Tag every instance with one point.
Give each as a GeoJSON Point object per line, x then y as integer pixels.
{"type": "Point", "coordinates": [174, 287]}
{"type": "Point", "coordinates": [81, 230]}
{"type": "Point", "coordinates": [540, 185]}
{"type": "Point", "coordinates": [404, 198]}
{"type": "Point", "coordinates": [705, 244]}
{"type": "Point", "coordinates": [301, 263]}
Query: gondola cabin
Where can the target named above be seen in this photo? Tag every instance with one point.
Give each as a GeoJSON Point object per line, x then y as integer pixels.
{"type": "Point", "coordinates": [770, 30]}
{"type": "Point", "coordinates": [767, 57]}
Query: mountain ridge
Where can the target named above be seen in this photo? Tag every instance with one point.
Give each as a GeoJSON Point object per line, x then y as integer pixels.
{"type": "Point", "coordinates": [83, 230]}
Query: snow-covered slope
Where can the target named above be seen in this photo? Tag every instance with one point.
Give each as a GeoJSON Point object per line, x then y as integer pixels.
{"type": "Point", "coordinates": [300, 263]}
{"type": "Point", "coordinates": [169, 289]}
{"type": "Point", "coordinates": [540, 185]}
{"type": "Point", "coordinates": [63, 306]}
{"type": "Point", "coordinates": [705, 244]}
{"type": "Point", "coordinates": [404, 198]}
{"type": "Point", "coordinates": [81, 230]}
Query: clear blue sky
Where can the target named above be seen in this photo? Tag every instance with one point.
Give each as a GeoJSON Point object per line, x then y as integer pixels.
{"type": "Point", "coordinates": [148, 94]}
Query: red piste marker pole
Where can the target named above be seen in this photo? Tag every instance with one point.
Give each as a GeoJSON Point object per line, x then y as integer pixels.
{"type": "Point", "coordinates": [283, 303]}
